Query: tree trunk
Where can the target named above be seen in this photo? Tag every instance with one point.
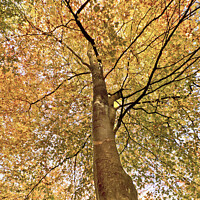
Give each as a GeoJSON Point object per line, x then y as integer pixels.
{"type": "Point", "coordinates": [111, 181]}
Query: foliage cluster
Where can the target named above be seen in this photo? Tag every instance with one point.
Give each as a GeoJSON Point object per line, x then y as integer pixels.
{"type": "Point", "coordinates": [149, 51]}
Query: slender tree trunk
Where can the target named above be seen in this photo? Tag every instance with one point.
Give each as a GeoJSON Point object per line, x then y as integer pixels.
{"type": "Point", "coordinates": [111, 181]}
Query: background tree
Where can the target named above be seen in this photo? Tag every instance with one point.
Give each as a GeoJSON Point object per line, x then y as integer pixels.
{"type": "Point", "coordinates": [140, 59]}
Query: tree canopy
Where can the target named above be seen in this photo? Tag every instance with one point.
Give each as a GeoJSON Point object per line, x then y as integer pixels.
{"type": "Point", "coordinates": [149, 50]}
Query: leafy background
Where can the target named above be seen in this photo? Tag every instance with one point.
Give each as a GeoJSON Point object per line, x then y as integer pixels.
{"type": "Point", "coordinates": [46, 94]}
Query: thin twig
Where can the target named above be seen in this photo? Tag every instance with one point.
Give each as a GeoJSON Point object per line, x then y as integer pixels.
{"type": "Point", "coordinates": [59, 164]}
{"type": "Point", "coordinates": [50, 93]}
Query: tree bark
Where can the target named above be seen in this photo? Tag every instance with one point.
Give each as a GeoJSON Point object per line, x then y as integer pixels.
{"type": "Point", "coordinates": [111, 181]}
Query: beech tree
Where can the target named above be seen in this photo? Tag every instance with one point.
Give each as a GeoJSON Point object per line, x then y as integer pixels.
{"type": "Point", "coordinates": [100, 99]}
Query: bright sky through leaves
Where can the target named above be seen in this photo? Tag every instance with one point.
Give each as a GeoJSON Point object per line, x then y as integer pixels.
{"type": "Point", "coordinates": [149, 50]}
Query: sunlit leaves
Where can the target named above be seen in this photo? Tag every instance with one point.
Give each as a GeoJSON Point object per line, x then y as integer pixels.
{"type": "Point", "coordinates": [46, 95]}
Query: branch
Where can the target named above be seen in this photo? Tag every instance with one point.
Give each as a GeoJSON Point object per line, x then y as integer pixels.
{"type": "Point", "coordinates": [50, 93]}
{"type": "Point", "coordinates": [82, 7]}
{"type": "Point", "coordinates": [161, 51]}
{"type": "Point", "coordinates": [127, 141]}
{"type": "Point", "coordinates": [84, 32]}
{"type": "Point", "coordinates": [146, 26]}
{"type": "Point", "coordinates": [73, 52]}
{"type": "Point", "coordinates": [114, 97]}
{"type": "Point", "coordinates": [46, 95]}
{"type": "Point", "coordinates": [158, 58]}
{"type": "Point", "coordinates": [175, 79]}
{"type": "Point", "coordinates": [165, 98]}
{"type": "Point", "coordinates": [125, 77]}
{"type": "Point", "coordinates": [196, 84]}
{"type": "Point", "coordinates": [56, 27]}
{"type": "Point", "coordinates": [172, 73]}
{"type": "Point", "coordinates": [50, 34]}
{"type": "Point", "coordinates": [150, 113]}
{"type": "Point", "coordinates": [59, 164]}
{"type": "Point", "coordinates": [144, 94]}
{"type": "Point", "coordinates": [151, 42]}
{"type": "Point", "coordinates": [58, 40]}
{"type": "Point", "coordinates": [159, 159]}
{"type": "Point", "coordinates": [140, 144]}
